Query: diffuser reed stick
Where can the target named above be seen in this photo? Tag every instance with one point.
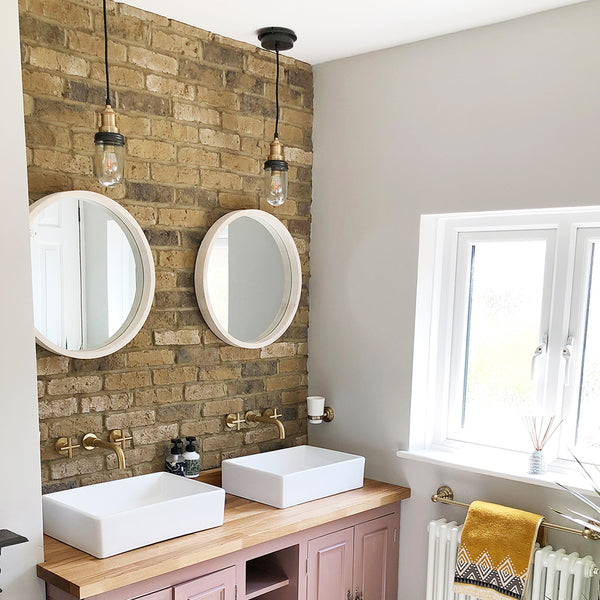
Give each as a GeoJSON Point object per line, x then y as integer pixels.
{"type": "Point", "coordinates": [540, 430]}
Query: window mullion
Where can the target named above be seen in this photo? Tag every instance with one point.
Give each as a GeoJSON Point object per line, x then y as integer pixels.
{"type": "Point", "coordinates": [579, 290]}
{"type": "Point", "coordinates": [557, 299]}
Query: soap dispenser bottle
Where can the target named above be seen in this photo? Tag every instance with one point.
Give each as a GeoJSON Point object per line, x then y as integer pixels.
{"type": "Point", "coordinates": [192, 459]}
{"type": "Point", "coordinates": [175, 462]}
{"type": "Point", "coordinates": [192, 439]}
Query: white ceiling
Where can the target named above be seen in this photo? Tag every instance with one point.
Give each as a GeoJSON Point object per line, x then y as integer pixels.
{"type": "Point", "coordinates": [332, 29]}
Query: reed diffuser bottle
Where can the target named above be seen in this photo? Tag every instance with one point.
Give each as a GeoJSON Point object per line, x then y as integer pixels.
{"type": "Point", "coordinates": [540, 430]}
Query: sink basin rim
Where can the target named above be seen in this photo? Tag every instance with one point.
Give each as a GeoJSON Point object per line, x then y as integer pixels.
{"type": "Point", "coordinates": [59, 497]}
{"type": "Point", "coordinates": [246, 461]}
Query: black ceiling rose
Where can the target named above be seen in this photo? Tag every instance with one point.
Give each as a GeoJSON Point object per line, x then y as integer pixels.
{"type": "Point", "coordinates": [276, 38]}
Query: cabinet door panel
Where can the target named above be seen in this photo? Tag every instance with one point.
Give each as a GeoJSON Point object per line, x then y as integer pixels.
{"type": "Point", "coordinates": [376, 559]}
{"type": "Point", "coordinates": [330, 566]}
{"type": "Point", "coordinates": [216, 586]}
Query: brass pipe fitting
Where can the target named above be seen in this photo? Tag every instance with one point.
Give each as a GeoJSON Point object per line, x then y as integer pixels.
{"type": "Point", "coordinates": [91, 441]}
{"type": "Point", "coordinates": [269, 416]}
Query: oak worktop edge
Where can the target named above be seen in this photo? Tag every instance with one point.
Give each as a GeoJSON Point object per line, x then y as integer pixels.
{"type": "Point", "coordinates": [246, 524]}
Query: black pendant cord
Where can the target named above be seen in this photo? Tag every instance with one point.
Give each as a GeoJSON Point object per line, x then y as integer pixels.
{"type": "Point", "coordinates": [106, 54]}
{"type": "Point", "coordinates": [277, 95]}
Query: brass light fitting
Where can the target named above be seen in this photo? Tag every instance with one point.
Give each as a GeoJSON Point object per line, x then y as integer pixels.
{"type": "Point", "coordinates": [108, 120]}
{"type": "Point", "coordinates": [276, 151]}
{"type": "Point", "coordinates": [109, 143]}
{"type": "Point", "coordinates": [276, 167]}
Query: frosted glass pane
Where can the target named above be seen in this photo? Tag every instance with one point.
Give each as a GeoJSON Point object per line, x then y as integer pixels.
{"type": "Point", "coordinates": [506, 287]}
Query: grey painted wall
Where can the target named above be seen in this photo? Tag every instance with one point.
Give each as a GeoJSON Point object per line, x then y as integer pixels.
{"type": "Point", "coordinates": [499, 117]}
{"type": "Point", "coordinates": [20, 496]}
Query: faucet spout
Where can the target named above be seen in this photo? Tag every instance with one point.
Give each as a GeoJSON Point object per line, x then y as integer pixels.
{"type": "Point", "coordinates": [91, 441]}
{"type": "Point", "coordinates": [280, 427]}
{"type": "Point", "coordinates": [269, 416]}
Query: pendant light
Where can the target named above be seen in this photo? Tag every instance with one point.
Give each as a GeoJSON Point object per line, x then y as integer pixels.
{"type": "Point", "coordinates": [109, 142]}
{"type": "Point", "coordinates": [276, 168]}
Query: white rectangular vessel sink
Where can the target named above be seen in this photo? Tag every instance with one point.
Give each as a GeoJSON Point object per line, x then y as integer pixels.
{"type": "Point", "coordinates": [283, 478]}
{"type": "Point", "coordinates": [112, 517]}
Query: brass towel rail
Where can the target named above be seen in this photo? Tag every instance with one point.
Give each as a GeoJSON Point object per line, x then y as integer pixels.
{"type": "Point", "coordinates": [445, 495]}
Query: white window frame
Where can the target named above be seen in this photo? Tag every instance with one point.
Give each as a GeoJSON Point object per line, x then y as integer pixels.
{"type": "Point", "coordinates": [435, 304]}
{"type": "Point", "coordinates": [459, 310]}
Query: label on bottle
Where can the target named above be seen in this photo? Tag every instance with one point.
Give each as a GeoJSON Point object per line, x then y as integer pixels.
{"type": "Point", "coordinates": [175, 467]}
{"type": "Point", "coordinates": [191, 467]}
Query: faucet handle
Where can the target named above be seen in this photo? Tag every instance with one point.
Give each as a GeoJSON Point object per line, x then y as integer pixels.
{"type": "Point", "coordinates": [272, 413]}
{"type": "Point", "coordinates": [64, 445]}
{"type": "Point", "coordinates": [234, 421]}
{"type": "Point", "coordinates": [119, 436]}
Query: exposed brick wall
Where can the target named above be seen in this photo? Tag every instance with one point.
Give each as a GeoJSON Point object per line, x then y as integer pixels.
{"type": "Point", "coordinates": [198, 112]}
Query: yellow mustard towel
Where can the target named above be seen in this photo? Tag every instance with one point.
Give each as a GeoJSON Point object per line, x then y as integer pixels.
{"type": "Point", "coordinates": [496, 548]}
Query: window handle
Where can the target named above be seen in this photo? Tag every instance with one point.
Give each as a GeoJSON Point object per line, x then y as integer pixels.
{"type": "Point", "coordinates": [567, 354]}
{"type": "Point", "coordinates": [539, 350]}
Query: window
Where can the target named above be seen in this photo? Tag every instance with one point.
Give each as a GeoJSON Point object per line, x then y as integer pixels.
{"type": "Point", "coordinates": [508, 324]}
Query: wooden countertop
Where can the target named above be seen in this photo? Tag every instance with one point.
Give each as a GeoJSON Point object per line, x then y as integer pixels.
{"type": "Point", "coordinates": [246, 524]}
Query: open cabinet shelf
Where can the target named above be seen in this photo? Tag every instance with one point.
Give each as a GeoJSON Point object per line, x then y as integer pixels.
{"type": "Point", "coordinates": [259, 582]}
{"type": "Point", "coordinates": [273, 576]}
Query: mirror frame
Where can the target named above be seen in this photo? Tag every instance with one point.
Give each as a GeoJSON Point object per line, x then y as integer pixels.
{"type": "Point", "coordinates": [200, 276]}
{"type": "Point", "coordinates": [147, 265]}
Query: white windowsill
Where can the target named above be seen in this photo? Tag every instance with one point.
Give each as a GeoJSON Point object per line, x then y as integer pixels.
{"type": "Point", "coordinates": [500, 463]}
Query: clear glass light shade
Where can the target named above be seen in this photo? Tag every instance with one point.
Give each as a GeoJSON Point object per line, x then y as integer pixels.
{"type": "Point", "coordinates": [108, 163]}
{"type": "Point", "coordinates": [276, 186]}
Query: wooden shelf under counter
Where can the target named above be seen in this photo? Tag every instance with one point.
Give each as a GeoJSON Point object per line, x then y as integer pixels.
{"type": "Point", "coordinates": [247, 524]}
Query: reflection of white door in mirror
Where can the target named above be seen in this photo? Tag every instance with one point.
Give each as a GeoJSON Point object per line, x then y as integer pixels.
{"type": "Point", "coordinates": [93, 274]}
{"type": "Point", "coordinates": [56, 274]}
{"type": "Point", "coordinates": [248, 278]}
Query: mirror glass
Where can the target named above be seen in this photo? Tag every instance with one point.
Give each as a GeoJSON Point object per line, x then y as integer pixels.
{"type": "Point", "coordinates": [248, 278]}
{"type": "Point", "coordinates": [91, 274]}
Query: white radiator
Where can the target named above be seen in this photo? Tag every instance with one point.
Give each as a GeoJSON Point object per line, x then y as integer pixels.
{"type": "Point", "coordinates": [556, 575]}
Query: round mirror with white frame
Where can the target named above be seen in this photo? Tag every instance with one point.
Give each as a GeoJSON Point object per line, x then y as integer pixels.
{"type": "Point", "coordinates": [248, 278]}
{"type": "Point", "coordinates": [93, 274]}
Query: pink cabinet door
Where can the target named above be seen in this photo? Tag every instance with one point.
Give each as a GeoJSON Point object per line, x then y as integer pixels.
{"type": "Point", "coordinates": [330, 566]}
{"type": "Point", "coordinates": [376, 559]}
{"type": "Point", "coordinates": [216, 586]}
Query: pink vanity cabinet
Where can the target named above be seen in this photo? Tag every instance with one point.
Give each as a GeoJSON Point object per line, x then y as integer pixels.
{"type": "Point", "coordinates": [362, 560]}
{"type": "Point", "coordinates": [330, 549]}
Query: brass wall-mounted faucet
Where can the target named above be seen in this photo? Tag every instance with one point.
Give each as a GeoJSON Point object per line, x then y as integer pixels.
{"type": "Point", "coordinates": [269, 416]}
{"type": "Point", "coordinates": [117, 439]}
{"type": "Point", "coordinates": [234, 421]}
